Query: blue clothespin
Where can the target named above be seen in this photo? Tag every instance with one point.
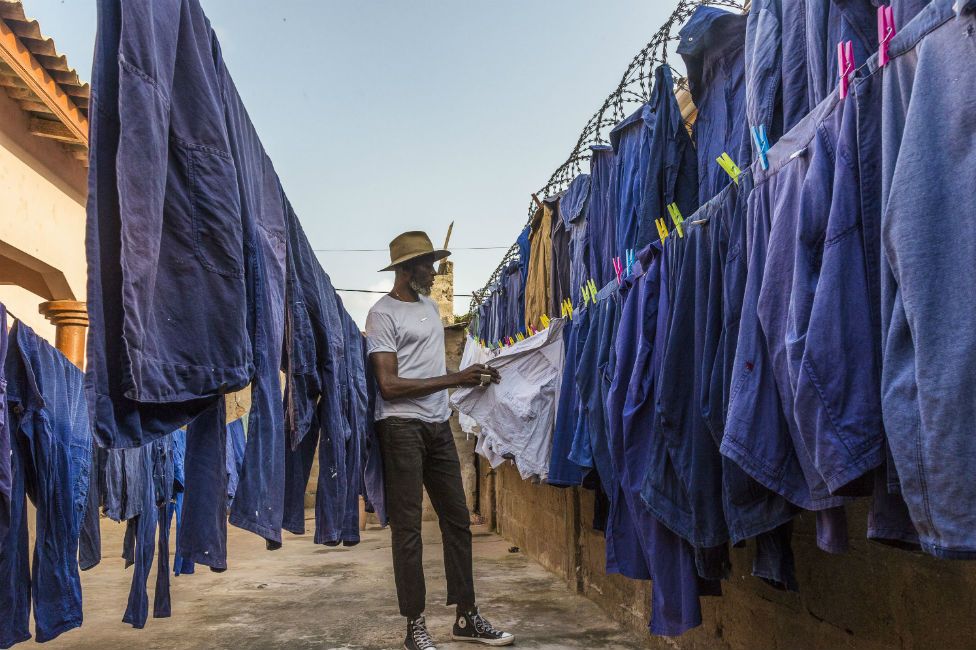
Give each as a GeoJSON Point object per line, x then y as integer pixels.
{"type": "Point", "coordinates": [631, 258]}
{"type": "Point", "coordinates": [762, 144]}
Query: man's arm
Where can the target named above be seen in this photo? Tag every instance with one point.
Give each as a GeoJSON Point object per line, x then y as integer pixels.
{"type": "Point", "coordinates": [392, 386]}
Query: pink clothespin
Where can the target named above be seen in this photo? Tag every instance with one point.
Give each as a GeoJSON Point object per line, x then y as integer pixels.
{"type": "Point", "coordinates": [886, 31]}
{"type": "Point", "coordinates": [845, 64]}
{"type": "Point", "coordinates": [618, 267]}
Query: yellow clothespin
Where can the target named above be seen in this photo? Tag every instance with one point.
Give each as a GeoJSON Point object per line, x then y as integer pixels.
{"type": "Point", "coordinates": [586, 294]}
{"type": "Point", "coordinates": [519, 337]}
{"type": "Point", "coordinates": [726, 162]}
{"type": "Point", "coordinates": [662, 229]}
{"type": "Point", "coordinates": [545, 321]}
{"type": "Point", "coordinates": [677, 219]}
{"type": "Point", "coordinates": [562, 309]}
{"type": "Point", "coordinates": [593, 290]}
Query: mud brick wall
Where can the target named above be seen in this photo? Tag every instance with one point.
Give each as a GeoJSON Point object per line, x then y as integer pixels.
{"type": "Point", "coordinates": [872, 598]}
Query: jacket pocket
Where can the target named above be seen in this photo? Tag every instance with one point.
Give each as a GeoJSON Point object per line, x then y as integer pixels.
{"type": "Point", "coordinates": [215, 210]}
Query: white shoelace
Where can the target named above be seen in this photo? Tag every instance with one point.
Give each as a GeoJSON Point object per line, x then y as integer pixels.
{"type": "Point", "coordinates": [482, 625]}
{"type": "Point", "coordinates": [419, 634]}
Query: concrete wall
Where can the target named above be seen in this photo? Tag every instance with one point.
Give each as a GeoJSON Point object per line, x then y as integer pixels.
{"type": "Point", "coordinates": [873, 597]}
{"type": "Point", "coordinates": [42, 213]}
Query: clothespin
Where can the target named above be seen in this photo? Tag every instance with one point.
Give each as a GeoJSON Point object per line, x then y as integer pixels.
{"type": "Point", "coordinates": [511, 341]}
{"type": "Point", "coordinates": [593, 291]}
{"type": "Point", "coordinates": [519, 337]}
{"type": "Point", "coordinates": [618, 268]}
{"type": "Point", "coordinates": [569, 308]}
{"type": "Point", "coordinates": [662, 229]}
{"type": "Point", "coordinates": [631, 258]}
{"type": "Point", "coordinates": [726, 163]}
{"type": "Point", "coordinates": [586, 294]}
{"type": "Point", "coordinates": [886, 31]}
{"type": "Point", "coordinates": [562, 309]}
{"type": "Point", "coordinates": [545, 321]}
{"type": "Point", "coordinates": [762, 144]}
{"type": "Point", "coordinates": [677, 218]}
{"type": "Point", "coordinates": [845, 64]}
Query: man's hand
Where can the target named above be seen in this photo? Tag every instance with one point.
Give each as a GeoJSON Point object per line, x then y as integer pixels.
{"type": "Point", "coordinates": [476, 374]}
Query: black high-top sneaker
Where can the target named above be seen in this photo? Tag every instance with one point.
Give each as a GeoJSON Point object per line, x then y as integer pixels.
{"type": "Point", "coordinates": [472, 626]}
{"type": "Point", "coordinates": [418, 638]}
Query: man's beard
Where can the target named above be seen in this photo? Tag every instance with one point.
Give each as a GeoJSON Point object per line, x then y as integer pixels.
{"type": "Point", "coordinates": [420, 289]}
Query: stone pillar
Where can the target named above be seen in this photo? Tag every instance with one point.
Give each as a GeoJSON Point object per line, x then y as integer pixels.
{"type": "Point", "coordinates": [70, 317]}
{"type": "Point", "coordinates": [443, 292]}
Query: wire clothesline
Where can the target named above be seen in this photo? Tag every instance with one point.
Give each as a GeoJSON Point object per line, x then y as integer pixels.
{"type": "Point", "coordinates": [456, 295]}
{"type": "Point", "coordinates": [387, 250]}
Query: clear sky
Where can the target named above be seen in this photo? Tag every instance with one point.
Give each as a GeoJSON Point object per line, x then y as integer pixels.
{"type": "Point", "coordinates": [389, 115]}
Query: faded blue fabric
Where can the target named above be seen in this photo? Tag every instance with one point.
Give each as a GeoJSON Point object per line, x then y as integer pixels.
{"type": "Point", "coordinates": [581, 450]}
{"type": "Point", "coordinates": [598, 355]}
{"type": "Point", "coordinates": [811, 319]}
{"type": "Point", "coordinates": [562, 471]}
{"type": "Point", "coordinates": [234, 455]}
{"type": "Point", "coordinates": [51, 464]}
{"type": "Point", "coordinates": [374, 484]}
{"type": "Point", "coordinates": [692, 507]}
{"type": "Point", "coordinates": [524, 248]}
{"type": "Point", "coordinates": [90, 537]}
{"type": "Point", "coordinates": [148, 530]}
{"type": "Point", "coordinates": [164, 222]}
{"type": "Point", "coordinates": [712, 46]}
{"type": "Point", "coordinates": [630, 140]}
{"type": "Point", "coordinates": [888, 520]}
{"type": "Point", "coordinates": [202, 532]}
{"type": "Point", "coordinates": [829, 22]}
{"type": "Point", "coordinates": [573, 209]}
{"type": "Point", "coordinates": [757, 435]}
{"type": "Point", "coordinates": [601, 224]}
{"type": "Point", "coordinates": [763, 59]}
{"type": "Point", "coordinates": [795, 93]}
{"type": "Point", "coordinates": [15, 578]}
{"type": "Point", "coordinates": [927, 368]}
{"type": "Point", "coordinates": [259, 501]}
{"type": "Point", "coordinates": [628, 546]}
{"type": "Point", "coordinates": [671, 169]}
{"type": "Point", "coordinates": [356, 405]}
{"type": "Point", "coordinates": [6, 472]}
{"type": "Point", "coordinates": [675, 606]}
{"type": "Point", "coordinates": [559, 272]}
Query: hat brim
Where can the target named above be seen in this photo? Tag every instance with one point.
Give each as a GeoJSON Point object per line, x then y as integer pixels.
{"type": "Point", "coordinates": [436, 256]}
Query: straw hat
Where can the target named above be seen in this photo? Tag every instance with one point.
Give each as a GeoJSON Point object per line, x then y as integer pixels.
{"type": "Point", "coordinates": [411, 245]}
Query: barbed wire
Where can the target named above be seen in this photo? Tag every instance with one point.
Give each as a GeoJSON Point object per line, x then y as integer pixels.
{"type": "Point", "coordinates": [634, 88]}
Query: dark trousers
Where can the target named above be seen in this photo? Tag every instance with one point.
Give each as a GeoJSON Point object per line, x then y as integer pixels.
{"type": "Point", "coordinates": [418, 454]}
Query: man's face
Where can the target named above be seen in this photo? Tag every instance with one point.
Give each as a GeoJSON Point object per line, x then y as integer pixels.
{"type": "Point", "coordinates": [422, 276]}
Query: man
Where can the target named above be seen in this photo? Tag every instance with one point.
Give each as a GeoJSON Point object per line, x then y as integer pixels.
{"type": "Point", "coordinates": [405, 340]}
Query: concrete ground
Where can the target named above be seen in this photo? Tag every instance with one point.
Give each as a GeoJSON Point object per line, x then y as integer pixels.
{"type": "Point", "coordinates": [308, 596]}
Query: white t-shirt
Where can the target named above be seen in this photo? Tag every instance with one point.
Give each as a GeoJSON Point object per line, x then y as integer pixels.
{"type": "Point", "coordinates": [412, 330]}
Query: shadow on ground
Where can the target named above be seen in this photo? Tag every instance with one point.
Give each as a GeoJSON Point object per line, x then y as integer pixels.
{"type": "Point", "coordinates": [307, 596]}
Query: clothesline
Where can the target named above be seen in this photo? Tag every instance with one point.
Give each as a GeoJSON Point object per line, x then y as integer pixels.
{"type": "Point", "coordinates": [456, 295]}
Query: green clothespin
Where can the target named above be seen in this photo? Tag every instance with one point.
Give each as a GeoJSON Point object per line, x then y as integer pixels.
{"type": "Point", "coordinates": [726, 162]}
{"type": "Point", "coordinates": [677, 219]}
{"type": "Point", "coordinates": [662, 229]}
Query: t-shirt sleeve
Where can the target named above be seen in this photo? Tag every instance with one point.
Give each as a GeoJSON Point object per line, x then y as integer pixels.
{"type": "Point", "coordinates": [380, 333]}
